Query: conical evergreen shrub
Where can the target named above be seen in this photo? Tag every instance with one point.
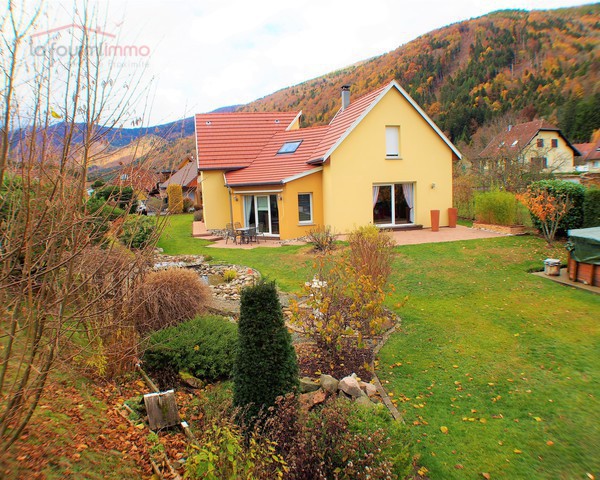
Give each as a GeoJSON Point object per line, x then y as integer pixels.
{"type": "Point", "coordinates": [265, 365]}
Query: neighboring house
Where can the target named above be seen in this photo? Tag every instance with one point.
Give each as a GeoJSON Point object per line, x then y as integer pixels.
{"type": "Point", "coordinates": [381, 160]}
{"type": "Point", "coordinates": [144, 182]}
{"type": "Point", "coordinates": [537, 144]}
{"type": "Point", "coordinates": [590, 156]}
{"type": "Point", "coordinates": [187, 177]}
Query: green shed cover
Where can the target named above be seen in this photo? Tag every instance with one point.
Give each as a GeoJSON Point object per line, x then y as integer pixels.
{"type": "Point", "coordinates": [584, 245]}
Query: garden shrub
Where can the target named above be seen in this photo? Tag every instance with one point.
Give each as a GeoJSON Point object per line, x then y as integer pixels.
{"type": "Point", "coordinates": [229, 275]}
{"type": "Point", "coordinates": [199, 215]}
{"type": "Point", "coordinates": [346, 295]}
{"type": "Point", "coordinates": [463, 196]}
{"type": "Point", "coordinates": [175, 196]}
{"type": "Point", "coordinates": [562, 189]}
{"type": "Point", "coordinates": [121, 196]}
{"type": "Point", "coordinates": [339, 440]}
{"type": "Point", "coordinates": [154, 204]}
{"type": "Point", "coordinates": [265, 365]}
{"type": "Point", "coordinates": [371, 252]}
{"type": "Point", "coordinates": [188, 204]}
{"type": "Point", "coordinates": [591, 208]}
{"type": "Point", "coordinates": [224, 452]}
{"type": "Point", "coordinates": [322, 238]}
{"type": "Point", "coordinates": [168, 297]}
{"type": "Point", "coordinates": [138, 232]}
{"type": "Point", "coordinates": [101, 208]}
{"type": "Point", "coordinates": [498, 208]}
{"type": "Point", "coordinates": [203, 347]}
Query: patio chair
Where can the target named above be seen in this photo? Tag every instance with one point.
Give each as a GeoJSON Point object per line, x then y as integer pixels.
{"type": "Point", "coordinates": [252, 235]}
{"type": "Point", "coordinates": [230, 233]}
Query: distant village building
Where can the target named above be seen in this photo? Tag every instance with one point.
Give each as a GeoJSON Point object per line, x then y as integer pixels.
{"type": "Point", "coordinates": [537, 144]}
{"type": "Point", "coordinates": [186, 175]}
{"type": "Point", "coordinates": [590, 157]}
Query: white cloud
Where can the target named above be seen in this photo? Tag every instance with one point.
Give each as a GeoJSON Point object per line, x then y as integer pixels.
{"type": "Point", "coordinates": [211, 53]}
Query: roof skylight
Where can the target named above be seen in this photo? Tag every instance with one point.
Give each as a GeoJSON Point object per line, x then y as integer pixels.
{"type": "Point", "coordinates": [290, 147]}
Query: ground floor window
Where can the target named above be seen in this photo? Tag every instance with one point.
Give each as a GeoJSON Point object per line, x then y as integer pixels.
{"type": "Point", "coordinates": [539, 163]}
{"type": "Point", "coordinates": [305, 211]}
{"type": "Point", "coordinates": [393, 204]}
{"type": "Point", "coordinates": [261, 211]}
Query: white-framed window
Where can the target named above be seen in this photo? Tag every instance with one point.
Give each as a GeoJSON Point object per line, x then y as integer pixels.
{"type": "Point", "coordinates": [305, 208]}
{"type": "Point", "coordinates": [392, 141]}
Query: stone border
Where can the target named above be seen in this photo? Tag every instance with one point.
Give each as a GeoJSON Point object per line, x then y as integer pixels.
{"type": "Point", "coordinates": [504, 229]}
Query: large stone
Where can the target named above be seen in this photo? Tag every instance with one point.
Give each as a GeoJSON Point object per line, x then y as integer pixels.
{"type": "Point", "coordinates": [350, 386]}
{"type": "Point", "coordinates": [307, 385]}
{"type": "Point", "coordinates": [191, 381]}
{"type": "Point", "coordinates": [368, 388]}
{"type": "Point", "coordinates": [329, 384]}
{"type": "Point", "coordinates": [309, 400]}
{"type": "Point", "coordinates": [364, 401]}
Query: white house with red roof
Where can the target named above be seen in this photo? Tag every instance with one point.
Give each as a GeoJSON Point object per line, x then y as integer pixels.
{"type": "Point", "coordinates": [381, 160]}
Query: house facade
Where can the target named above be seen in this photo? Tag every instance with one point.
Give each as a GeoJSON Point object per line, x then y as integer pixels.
{"type": "Point", "coordinates": [381, 160]}
{"type": "Point", "coordinates": [536, 144]}
{"type": "Point", "coordinates": [590, 157]}
{"type": "Point", "coordinates": [187, 176]}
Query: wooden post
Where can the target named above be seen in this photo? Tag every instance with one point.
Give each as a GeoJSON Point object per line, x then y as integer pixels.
{"type": "Point", "coordinates": [162, 410]}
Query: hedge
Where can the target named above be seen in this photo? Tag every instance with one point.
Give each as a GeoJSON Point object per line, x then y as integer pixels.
{"type": "Point", "coordinates": [562, 188]}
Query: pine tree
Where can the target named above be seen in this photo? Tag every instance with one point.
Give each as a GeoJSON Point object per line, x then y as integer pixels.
{"type": "Point", "coordinates": [265, 365]}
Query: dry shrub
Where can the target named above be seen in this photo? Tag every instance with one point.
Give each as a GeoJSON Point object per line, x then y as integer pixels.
{"type": "Point", "coordinates": [371, 253]}
{"type": "Point", "coordinates": [322, 238]}
{"type": "Point", "coordinates": [168, 297]}
{"type": "Point", "coordinates": [110, 344]}
{"type": "Point", "coordinates": [332, 441]}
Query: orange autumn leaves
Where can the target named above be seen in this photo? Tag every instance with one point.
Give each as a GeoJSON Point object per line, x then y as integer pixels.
{"type": "Point", "coordinates": [548, 208]}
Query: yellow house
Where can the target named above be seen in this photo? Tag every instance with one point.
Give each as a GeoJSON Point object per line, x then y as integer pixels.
{"type": "Point", "coordinates": [536, 144]}
{"type": "Point", "coordinates": [381, 160]}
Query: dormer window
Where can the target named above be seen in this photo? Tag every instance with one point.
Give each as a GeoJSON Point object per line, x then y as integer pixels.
{"type": "Point", "coordinates": [289, 147]}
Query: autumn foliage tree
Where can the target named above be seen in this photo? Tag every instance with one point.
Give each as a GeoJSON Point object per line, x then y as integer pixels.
{"type": "Point", "coordinates": [548, 208]}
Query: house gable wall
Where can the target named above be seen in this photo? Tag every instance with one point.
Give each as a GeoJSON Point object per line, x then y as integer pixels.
{"type": "Point", "coordinates": [215, 200]}
{"type": "Point", "coordinates": [560, 159]}
{"type": "Point", "coordinates": [360, 162]}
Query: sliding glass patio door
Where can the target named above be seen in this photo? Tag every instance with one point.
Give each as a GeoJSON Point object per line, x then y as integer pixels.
{"type": "Point", "coordinates": [393, 204]}
{"type": "Point", "coordinates": [261, 211]}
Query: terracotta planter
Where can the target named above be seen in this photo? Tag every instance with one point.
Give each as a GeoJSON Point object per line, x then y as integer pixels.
{"type": "Point", "coordinates": [452, 217]}
{"type": "Point", "coordinates": [435, 220]}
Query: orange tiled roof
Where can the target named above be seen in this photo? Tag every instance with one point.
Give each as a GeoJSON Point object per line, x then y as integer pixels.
{"type": "Point", "coordinates": [246, 144]}
{"type": "Point", "coordinates": [518, 137]}
{"type": "Point", "coordinates": [343, 120]}
{"type": "Point", "coordinates": [271, 167]}
{"type": "Point", "coordinates": [233, 140]}
{"type": "Point", "coordinates": [589, 151]}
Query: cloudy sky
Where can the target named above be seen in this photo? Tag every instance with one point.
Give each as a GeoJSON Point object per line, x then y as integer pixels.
{"type": "Point", "coordinates": [206, 54]}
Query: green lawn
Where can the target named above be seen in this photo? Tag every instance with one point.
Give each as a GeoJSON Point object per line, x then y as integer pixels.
{"type": "Point", "coordinates": [289, 265]}
{"type": "Point", "coordinates": [505, 360]}
{"type": "Point", "coordinates": [508, 362]}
